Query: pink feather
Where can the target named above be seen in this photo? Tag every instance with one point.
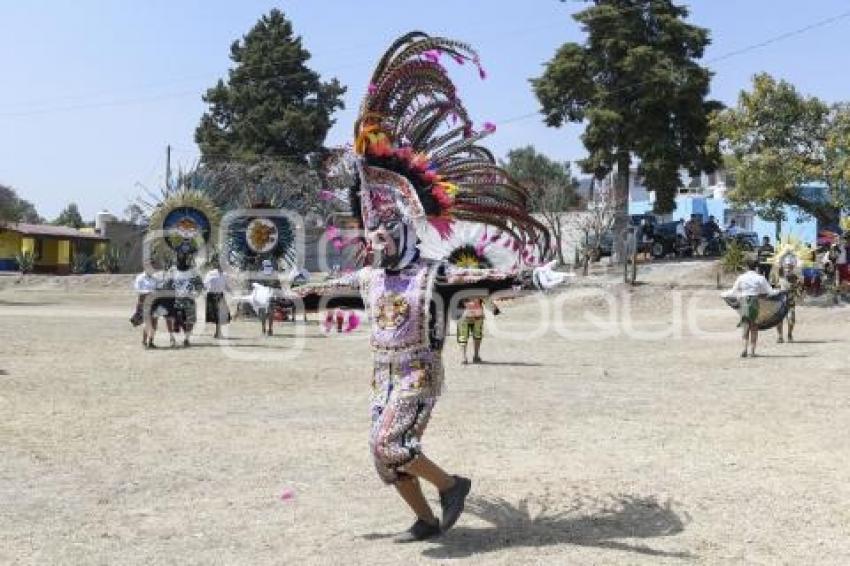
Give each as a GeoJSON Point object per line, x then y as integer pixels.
{"type": "Point", "coordinates": [442, 225]}
{"type": "Point", "coordinates": [373, 88]}
{"type": "Point", "coordinates": [432, 55]}
{"type": "Point", "coordinates": [353, 322]}
{"type": "Point", "coordinates": [326, 195]}
{"type": "Point", "coordinates": [489, 127]}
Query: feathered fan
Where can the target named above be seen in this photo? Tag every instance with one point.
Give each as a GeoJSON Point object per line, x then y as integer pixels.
{"type": "Point", "coordinates": [474, 245]}
{"type": "Point", "coordinates": [412, 123]}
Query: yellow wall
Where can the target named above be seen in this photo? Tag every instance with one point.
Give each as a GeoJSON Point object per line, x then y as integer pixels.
{"type": "Point", "coordinates": [10, 244]}
{"type": "Point", "coordinates": [63, 252]}
{"type": "Point", "coordinates": [49, 252]}
{"type": "Point", "coordinates": [27, 245]}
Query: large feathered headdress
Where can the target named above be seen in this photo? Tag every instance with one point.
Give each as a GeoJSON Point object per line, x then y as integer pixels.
{"type": "Point", "coordinates": [417, 147]}
{"type": "Point", "coordinates": [185, 221]}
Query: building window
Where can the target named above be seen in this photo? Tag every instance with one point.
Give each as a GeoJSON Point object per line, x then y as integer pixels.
{"type": "Point", "coordinates": [743, 219]}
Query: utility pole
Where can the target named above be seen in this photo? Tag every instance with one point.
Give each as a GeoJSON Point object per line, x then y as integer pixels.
{"type": "Point", "coordinates": [168, 167]}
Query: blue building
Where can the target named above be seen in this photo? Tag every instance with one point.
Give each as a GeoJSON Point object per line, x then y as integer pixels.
{"type": "Point", "coordinates": [711, 202]}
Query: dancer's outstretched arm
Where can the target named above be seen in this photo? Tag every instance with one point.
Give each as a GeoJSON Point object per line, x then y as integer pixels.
{"type": "Point", "coordinates": [340, 292]}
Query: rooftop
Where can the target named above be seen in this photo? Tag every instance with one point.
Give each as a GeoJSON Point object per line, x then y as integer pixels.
{"type": "Point", "coordinates": [48, 230]}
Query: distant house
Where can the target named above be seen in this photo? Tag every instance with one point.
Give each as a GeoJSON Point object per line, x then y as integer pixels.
{"type": "Point", "coordinates": [53, 247]}
{"type": "Point", "coordinates": [705, 195]}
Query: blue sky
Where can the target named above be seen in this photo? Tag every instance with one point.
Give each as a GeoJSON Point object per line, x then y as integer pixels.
{"type": "Point", "coordinates": [93, 90]}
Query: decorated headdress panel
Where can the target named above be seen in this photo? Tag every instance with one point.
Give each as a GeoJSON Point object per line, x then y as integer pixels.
{"type": "Point", "coordinates": [790, 253]}
{"type": "Point", "coordinates": [473, 245]}
{"type": "Point", "coordinates": [260, 230]}
{"type": "Point", "coordinates": [184, 222]}
{"type": "Point", "coordinates": [415, 140]}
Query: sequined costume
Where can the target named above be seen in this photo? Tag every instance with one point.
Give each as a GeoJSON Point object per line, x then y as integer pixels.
{"type": "Point", "coordinates": [416, 174]}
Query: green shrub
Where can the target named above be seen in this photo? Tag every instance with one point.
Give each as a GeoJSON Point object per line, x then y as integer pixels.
{"type": "Point", "coordinates": [26, 262]}
{"type": "Point", "coordinates": [734, 260]}
{"type": "Point", "coordinates": [82, 263]}
{"type": "Point", "coordinates": [110, 261]}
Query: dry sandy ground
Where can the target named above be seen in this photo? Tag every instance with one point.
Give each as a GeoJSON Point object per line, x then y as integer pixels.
{"type": "Point", "coordinates": [585, 446]}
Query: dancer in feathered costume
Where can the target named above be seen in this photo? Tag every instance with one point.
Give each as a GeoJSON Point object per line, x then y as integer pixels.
{"type": "Point", "coordinates": [417, 170]}
{"type": "Point", "coordinates": [785, 275]}
{"type": "Point", "coordinates": [258, 241]}
{"type": "Point", "coordinates": [181, 226]}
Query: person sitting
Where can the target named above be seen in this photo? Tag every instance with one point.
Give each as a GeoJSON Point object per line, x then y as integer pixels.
{"type": "Point", "coordinates": [711, 229]}
{"type": "Point", "coordinates": [733, 229]}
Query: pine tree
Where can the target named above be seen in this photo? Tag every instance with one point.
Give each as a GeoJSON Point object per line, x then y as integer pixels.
{"type": "Point", "coordinates": [272, 104]}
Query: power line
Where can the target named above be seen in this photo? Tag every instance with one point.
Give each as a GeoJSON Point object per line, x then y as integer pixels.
{"type": "Point", "coordinates": [770, 41]}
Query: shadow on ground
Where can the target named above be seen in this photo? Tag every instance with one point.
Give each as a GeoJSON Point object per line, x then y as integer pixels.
{"type": "Point", "coordinates": [585, 522]}
{"type": "Point", "coordinates": [513, 364]}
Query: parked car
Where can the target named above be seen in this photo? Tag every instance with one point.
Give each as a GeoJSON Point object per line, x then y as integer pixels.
{"type": "Point", "coordinates": [666, 242]}
{"type": "Point", "coordinates": [748, 241]}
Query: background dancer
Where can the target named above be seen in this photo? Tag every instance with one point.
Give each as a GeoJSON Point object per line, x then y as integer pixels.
{"type": "Point", "coordinates": [217, 312]}
{"type": "Point", "coordinates": [472, 322]}
{"type": "Point", "coordinates": [185, 284]}
{"type": "Point", "coordinates": [749, 286]}
{"type": "Point", "coordinates": [788, 280]}
{"type": "Point", "coordinates": [146, 285]}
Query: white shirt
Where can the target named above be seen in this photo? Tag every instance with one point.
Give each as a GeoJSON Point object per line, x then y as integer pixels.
{"type": "Point", "coordinates": [733, 230]}
{"type": "Point", "coordinates": [751, 284]}
{"type": "Point", "coordinates": [145, 283]}
{"type": "Point", "coordinates": [680, 229]}
{"type": "Point", "coordinates": [215, 282]}
{"type": "Point", "coordinates": [260, 296]}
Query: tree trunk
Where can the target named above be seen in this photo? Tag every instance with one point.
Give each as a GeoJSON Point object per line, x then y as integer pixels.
{"type": "Point", "coordinates": [558, 237]}
{"type": "Point", "coordinates": [621, 194]}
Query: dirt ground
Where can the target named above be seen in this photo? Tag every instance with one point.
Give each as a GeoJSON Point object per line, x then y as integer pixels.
{"type": "Point", "coordinates": [609, 426]}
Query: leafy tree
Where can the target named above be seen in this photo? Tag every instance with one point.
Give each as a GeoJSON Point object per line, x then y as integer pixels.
{"type": "Point", "coordinates": [637, 86]}
{"type": "Point", "coordinates": [272, 104]}
{"type": "Point", "coordinates": [70, 216]}
{"type": "Point", "coordinates": [553, 188]}
{"type": "Point", "coordinates": [779, 140]}
{"type": "Point", "coordinates": [135, 214]}
{"type": "Point", "coordinates": [267, 183]}
{"type": "Point", "coordinates": [15, 209]}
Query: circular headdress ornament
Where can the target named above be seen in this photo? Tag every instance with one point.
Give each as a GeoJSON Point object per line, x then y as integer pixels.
{"type": "Point", "coordinates": [261, 235]}
{"type": "Point", "coordinates": [185, 221]}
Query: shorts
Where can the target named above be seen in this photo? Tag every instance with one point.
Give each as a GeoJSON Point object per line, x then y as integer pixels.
{"type": "Point", "coordinates": [467, 325]}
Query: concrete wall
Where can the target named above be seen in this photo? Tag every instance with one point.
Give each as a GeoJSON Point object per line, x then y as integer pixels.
{"type": "Point", "coordinates": [129, 238]}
